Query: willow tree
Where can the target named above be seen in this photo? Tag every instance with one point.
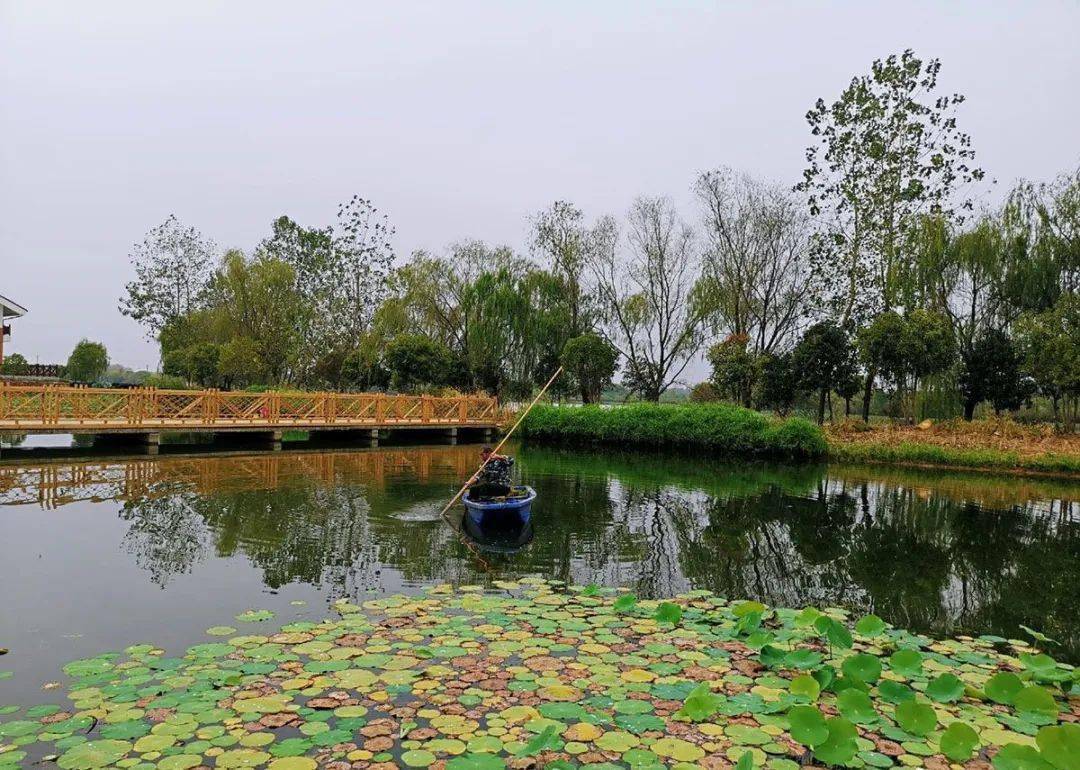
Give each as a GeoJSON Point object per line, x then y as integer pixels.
{"type": "Point", "coordinates": [649, 295]}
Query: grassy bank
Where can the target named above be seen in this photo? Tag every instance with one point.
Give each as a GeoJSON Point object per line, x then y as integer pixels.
{"type": "Point", "coordinates": [716, 427]}
{"type": "Point", "coordinates": [998, 445]}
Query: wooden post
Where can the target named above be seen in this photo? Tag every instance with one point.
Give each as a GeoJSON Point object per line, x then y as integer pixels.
{"type": "Point", "coordinates": [425, 409]}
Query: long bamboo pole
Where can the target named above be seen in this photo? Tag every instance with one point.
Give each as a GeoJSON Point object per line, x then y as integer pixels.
{"type": "Point", "coordinates": [499, 446]}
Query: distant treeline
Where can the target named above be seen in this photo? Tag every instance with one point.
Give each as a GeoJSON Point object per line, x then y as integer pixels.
{"type": "Point", "coordinates": [881, 271]}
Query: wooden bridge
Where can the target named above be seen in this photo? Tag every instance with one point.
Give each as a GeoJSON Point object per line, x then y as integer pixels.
{"type": "Point", "coordinates": [145, 413]}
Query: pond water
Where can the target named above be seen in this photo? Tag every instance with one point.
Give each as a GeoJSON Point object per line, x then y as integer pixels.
{"type": "Point", "coordinates": [100, 553]}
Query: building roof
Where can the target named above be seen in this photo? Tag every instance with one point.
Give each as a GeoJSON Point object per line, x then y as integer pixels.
{"type": "Point", "coordinates": [9, 309]}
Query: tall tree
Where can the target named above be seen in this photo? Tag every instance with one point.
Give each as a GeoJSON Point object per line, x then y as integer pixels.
{"type": "Point", "coordinates": [560, 235]}
{"type": "Point", "coordinates": [887, 152]}
{"type": "Point", "coordinates": [363, 254]}
{"type": "Point", "coordinates": [172, 266]}
{"type": "Point", "coordinates": [649, 295]}
{"type": "Point", "coordinates": [310, 253]}
{"type": "Point", "coordinates": [755, 258]}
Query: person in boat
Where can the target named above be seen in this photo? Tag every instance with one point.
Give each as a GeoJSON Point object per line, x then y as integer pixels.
{"type": "Point", "coordinates": [494, 479]}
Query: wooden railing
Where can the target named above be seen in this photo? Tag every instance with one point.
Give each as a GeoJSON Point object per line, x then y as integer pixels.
{"type": "Point", "coordinates": [52, 407]}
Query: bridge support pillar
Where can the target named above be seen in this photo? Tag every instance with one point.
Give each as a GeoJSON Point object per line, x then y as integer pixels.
{"type": "Point", "coordinates": [451, 435]}
{"type": "Point", "coordinates": [374, 438]}
{"type": "Point", "coordinates": [150, 442]}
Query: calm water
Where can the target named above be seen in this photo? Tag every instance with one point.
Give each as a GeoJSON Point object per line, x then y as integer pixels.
{"type": "Point", "coordinates": [98, 554]}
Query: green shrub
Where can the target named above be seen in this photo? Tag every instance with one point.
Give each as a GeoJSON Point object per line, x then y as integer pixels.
{"type": "Point", "coordinates": [717, 427]}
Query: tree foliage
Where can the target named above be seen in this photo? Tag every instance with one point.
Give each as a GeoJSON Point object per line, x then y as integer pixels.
{"type": "Point", "coordinates": [887, 152]}
{"type": "Point", "coordinates": [87, 362]}
{"type": "Point", "coordinates": [591, 360]}
{"type": "Point", "coordinates": [991, 371]}
{"type": "Point", "coordinates": [819, 360]}
{"type": "Point", "coordinates": [14, 364]}
{"type": "Point", "coordinates": [172, 266]}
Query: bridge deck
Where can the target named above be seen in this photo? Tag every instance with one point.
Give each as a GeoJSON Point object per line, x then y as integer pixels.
{"type": "Point", "coordinates": [64, 409]}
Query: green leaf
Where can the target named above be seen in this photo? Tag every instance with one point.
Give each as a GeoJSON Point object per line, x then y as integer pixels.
{"type": "Point", "coordinates": [865, 668]}
{"type": "Point", "coordinates": [546, 739]}
{"type": "Point", "coordinates": [906, 662]}
{"type": "Point", "coordinates": [1013, 756]}
{"type": "Point", "coordinates": [1060, 745]}
{"type": "Point", "coordinates": [802, 658]}
{"type": "Point", "coordinates": [870, 625]}
{"type": "Point", "coordinates": [1037, 700]}
{"type": "Point", "coordinates": [959, 741]}
{"type": "Point", "coordinates": [805, 686]}
{"type": "Point", "coordinates": [748, 608]}
{"type": "Point", "coordinates": [856, 706]}
{"type": "Point", "coordinates": [592, 589]}
{"type": "Point", "coordinates": [1003, 687]}
{"type": "Point", "coordinates": [894, 692]}
{"type": "Point", "coordinates": [746, 762]}
{"type": "Point", "coordinates": [945, 688]}
{"type": "Point", "coordinates": [916, 718]}
{"type": "Point", "coordinates": [807, 725]}
{"type": "Point", "coordinates": [668, 612]}
{"type": "Point", "coordinates": [835, 632]}
{"type": "Point", "coordinates": [700, 704]}
{"type": "Point", "coordinates": [840, 746]}
{"type": "Point", "coordinates": [1037, 635]}
{"type": "Point", "coordinates": [624, 603]}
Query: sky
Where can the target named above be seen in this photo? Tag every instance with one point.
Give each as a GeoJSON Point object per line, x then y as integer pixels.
{"type": "Point", "coordinates": [458, 119]}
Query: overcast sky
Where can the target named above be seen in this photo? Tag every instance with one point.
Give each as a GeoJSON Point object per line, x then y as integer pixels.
{"type": "Point", "coordinates": [458, 119]}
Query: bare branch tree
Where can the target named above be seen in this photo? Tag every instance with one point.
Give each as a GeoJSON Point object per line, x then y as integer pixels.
{"type": "Point", "coordinates": [755, 260]}
{"type": "Point", "coordinates": [649, 295]}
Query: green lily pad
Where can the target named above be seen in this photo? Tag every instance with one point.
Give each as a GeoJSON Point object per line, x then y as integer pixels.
{"type": "Point", "coordinates": [958, 742]}
{"type": "Point", "coordinates": [93, 754]}
{"type": "Point", "coordinates": [917, 718]}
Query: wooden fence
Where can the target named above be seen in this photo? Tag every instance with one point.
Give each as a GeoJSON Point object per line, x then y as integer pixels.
{"type": "Point", "coordinates": [55, 407]}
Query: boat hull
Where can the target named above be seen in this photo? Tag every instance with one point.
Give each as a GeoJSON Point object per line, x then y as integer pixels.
{"type": "Point", "coordinates": [509, 512]}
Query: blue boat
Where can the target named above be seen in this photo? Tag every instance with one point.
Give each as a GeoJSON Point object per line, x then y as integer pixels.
{"type": "Point", "coordinates": [513, 510]}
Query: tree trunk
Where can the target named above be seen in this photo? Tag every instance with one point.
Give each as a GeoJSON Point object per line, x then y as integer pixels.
{"type": "Point", "coordinates": [969, 409]}
{"type": "Point", "coordinates": [847, 407]}
{"type": "Point", "coordinates": [821, 407]}
{"type": "Point", "coordinates": [868, 392]}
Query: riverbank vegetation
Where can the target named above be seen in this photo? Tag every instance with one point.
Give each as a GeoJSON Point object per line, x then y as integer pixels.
{"type": "Point", "coordinates": [694, 679]}
{"type": "Point", "coordinates": [885, 281]}
{"type": "Point", "coordinates": [992, 444]}
{"type": "Point", "coordinates": [722, 428]}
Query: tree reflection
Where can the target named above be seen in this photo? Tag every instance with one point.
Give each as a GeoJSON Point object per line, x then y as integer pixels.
{"type": "Point", "coordinates": [934, 553]}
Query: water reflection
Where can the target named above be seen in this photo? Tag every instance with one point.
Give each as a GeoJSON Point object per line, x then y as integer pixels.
{"type": "Point", "coordinates": [933, 552]}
